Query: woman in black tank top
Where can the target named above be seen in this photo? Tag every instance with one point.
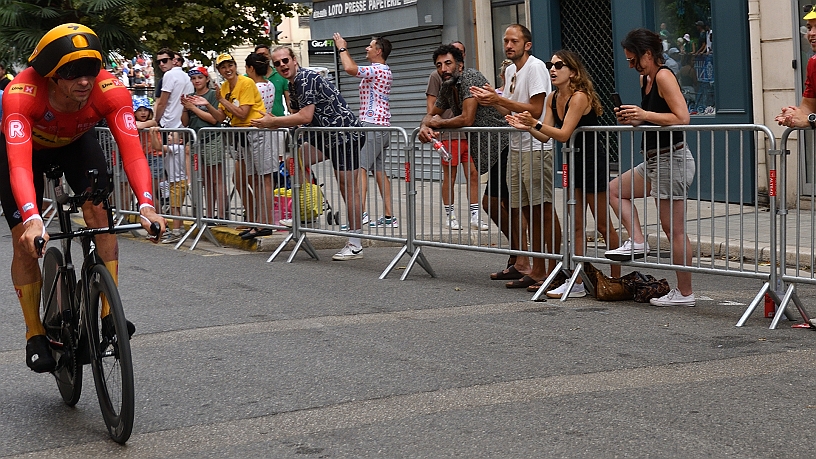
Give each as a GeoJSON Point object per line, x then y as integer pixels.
{"type": "Point", "coordinates": [574, 103]}
{"type": "Point", "coordinates": [667, 158]}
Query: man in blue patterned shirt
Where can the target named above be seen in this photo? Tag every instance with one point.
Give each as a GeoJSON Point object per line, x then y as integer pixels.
{"type": "Point", "coordinates": [317, 103]}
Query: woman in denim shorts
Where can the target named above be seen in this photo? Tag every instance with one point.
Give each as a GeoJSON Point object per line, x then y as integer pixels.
{"type": "Point", "coordinates": [668, 168]}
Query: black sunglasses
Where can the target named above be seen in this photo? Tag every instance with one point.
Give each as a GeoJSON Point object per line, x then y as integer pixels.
{"type": "Point", "coordinates": [85, 67]}
{"type": "Point", "coordinates": [807, 8]}
{"type": "Point", "coordinates": [165, 60]}
{"type": "Point", "coordinates": [558, 65]}
{"type": "Point", "coordinates": [283, 61]}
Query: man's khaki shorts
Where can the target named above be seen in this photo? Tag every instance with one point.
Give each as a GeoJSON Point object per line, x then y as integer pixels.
{"type": "Point", "coordinates": [530, 177]}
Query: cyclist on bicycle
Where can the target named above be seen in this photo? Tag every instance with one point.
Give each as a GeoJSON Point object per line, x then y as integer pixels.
{"type": "Point", "coordinates": [50, 110]}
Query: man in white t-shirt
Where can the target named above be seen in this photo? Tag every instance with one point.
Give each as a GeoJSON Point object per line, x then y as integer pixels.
{"type": "Point", "coordinates": [375, 110]}
{"type": "Point", "coordinates": [530, 165]}
{"type": "Point", "coordinates": [175, 83]}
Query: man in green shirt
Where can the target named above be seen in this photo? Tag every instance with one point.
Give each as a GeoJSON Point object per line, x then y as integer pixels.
{"type": "Point", "coordinates": [281, 83]}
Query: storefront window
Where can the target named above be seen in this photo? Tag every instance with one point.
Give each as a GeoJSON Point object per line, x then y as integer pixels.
{"type": "Point", "coordinates": [687, 32]}
{"type": "Point", "coordinates": [505, 13]}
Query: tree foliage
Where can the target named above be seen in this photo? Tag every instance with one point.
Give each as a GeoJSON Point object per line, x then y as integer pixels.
{"type": "Point", "coordinates": [131, 26]}
{"type": "Point", "coordinates": [24, 22]}
{"type": "Point", "coordinates": [205, 26]}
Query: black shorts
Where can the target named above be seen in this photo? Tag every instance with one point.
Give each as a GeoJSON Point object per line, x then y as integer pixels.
{"type": "Point", "coordinates": [496, 186]}
{"type": "Point", "coordinates": [75, 159]}
{"type": "Point", "coordinates": [344, 156]}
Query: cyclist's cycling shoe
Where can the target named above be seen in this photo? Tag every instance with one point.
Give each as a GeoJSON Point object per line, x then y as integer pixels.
{"type": "Point", "coordinates": [38, 355]}
{"type": "Point", "coordinates": [108, 330]}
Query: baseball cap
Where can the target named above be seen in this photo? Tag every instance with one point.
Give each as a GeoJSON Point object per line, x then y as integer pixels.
{"type": "Point", "coordinates": [199, 71]}
{"type": "Point", "coordinates": [223, 57]}
{"type": "Point", "coordinates": [687, 37]}
{"type": "Point", "coordinates": [700, 23]}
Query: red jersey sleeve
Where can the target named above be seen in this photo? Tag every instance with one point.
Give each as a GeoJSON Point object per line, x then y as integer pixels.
{"type": "Point", "coordinates": [20, 101]}
{"type": "Point", "coordinates": [116, 106]}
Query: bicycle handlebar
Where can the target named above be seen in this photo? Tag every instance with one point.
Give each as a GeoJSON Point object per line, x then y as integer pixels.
{"type": "Point", "coordinates": [39, 242]}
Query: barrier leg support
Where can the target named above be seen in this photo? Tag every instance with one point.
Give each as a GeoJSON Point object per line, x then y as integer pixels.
{"type": "Point", "coordinates": [543, 289]}
{"type": "Point", "coordinates": [283, 244]}
{"type": "Point", "coordinates": [751, 307]}
{"type": "Point", "coordinates": [307, 246]}
{"type": "Point", "coordinates": [418, 257]}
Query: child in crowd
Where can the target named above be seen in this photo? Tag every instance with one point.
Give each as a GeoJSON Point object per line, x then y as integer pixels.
{"type": "Point", "coordinates": [175, 153]}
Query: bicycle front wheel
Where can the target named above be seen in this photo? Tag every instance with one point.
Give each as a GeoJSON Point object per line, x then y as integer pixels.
{"type": "Point", "coordinates": [110, 355]}
{"type": "Point", "coordinates": [55, 300]}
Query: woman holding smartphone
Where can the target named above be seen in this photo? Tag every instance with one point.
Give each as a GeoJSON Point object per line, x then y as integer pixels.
{"type": "Point", "coordinates": [668, 167]}
{"type": "Point", "coordinates": [574, 103]}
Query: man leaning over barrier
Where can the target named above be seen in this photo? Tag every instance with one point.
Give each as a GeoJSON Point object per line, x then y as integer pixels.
{"type": "Point", "coordinates": [805, 114]}
{"type": "Point", "coordinates": [317, 103]}
{"type": "Point", "coordinates": [455, 95]}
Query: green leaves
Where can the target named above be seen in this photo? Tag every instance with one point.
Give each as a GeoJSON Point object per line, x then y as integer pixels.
{"type": "Point", "coordinates": [196, 28]}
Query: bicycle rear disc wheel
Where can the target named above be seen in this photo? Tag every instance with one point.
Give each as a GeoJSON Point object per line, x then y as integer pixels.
{"type": "Point", "coordinates": [110, 356]}
{"type": "Point", "coordinates": [56, 298]}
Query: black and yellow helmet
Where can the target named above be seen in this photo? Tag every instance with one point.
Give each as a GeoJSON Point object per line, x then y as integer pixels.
{"type": "Point", "coordinates": [73, 44]}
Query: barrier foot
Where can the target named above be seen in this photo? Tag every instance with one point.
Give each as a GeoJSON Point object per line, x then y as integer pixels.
{"type": "Point", "coordinates": [185, 236]}
{"type": "Point", "coordinates": [419, 258]}
{"type": "Point", "coordinates": [790, 294]}
{"type": "Point", "coordinates": [783, 305]}
{"type": "Point", "coordinates": [277, 251]}
{"type": "Point", "coordinates": [543, 289]}
{"type": "Point", "coordinates": [751, 307]}
{"type": "Point", "coordinates": [571, 281]}
{"type": "Point", "coordinates": [394, 262]}
{"type": "Point", "coordinates": [307, 246]}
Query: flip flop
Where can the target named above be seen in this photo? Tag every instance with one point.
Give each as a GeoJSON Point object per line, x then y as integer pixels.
{"type": "Point", "coordinates": [524, 282]}
{"type": "Point", "coordinates": [534, 288]}
{"type": "Point", "coordinates": [511, 273]}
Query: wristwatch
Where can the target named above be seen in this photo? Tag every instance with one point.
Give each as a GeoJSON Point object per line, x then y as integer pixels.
{"type": "Point", "coordinates": [538, 126]}
{"type": "Point", "coordinates": [812, 120]}
{"type": "Point", "coordinates": [341, 50]}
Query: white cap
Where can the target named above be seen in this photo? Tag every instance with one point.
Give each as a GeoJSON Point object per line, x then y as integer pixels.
{"type": "Point", "coordinates": [687, 37]}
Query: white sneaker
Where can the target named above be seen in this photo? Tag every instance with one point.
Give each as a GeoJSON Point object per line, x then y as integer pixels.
{"type": "Point", "coordinates": [477, 224]}
{"type": "Point", "coordinates": [628, 250]}
{"type": "Point", "coordinates": [349, 252]}
{"type": "Point", "coordinates": [674, 298]}
{"type": "Point", "coordinates": [577, 291]}
{"type": "Point", "coordinates": [366, 219]}
{"type": "Point", "coordinates": [287, 222]}
{"type": "Point", "coordinates": [452, 223]}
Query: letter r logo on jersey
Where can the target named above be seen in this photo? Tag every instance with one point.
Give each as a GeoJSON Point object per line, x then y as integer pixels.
{"type": "Point", "coordinates": [16, 129]}
{"type": "Point", "coordinates": [130, 121]}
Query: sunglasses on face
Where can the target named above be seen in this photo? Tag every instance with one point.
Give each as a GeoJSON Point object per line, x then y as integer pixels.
{"type": "Point", "coordinates": [283, 61]}
{"type": "Point", "coordinates": [80, 68]}
{"type": "Point", "coordinates": [165, 60]}
{"type": "Point", "coordinates": [630, 60]}
{"type": "Point", "coordinates": [558, 65]}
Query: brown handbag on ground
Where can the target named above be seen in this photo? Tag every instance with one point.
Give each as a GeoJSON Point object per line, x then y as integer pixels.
{"type": "Point", "coordinates": [608, 288]}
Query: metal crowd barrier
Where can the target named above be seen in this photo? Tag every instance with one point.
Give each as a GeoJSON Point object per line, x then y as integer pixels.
{"type": "Point", "coordinates": [722, 213]}
{"type": "Point", "coordinates": [797, 260]}
{"type": "Point", "coordinates": [508, 230]}
{"type": "Point", "coordinates": [235, 173]}
{"type": "Point", "coordinates": [319, 201]}
{"type": "Point", "coordinates": [729, 233]}
{"type": "Point", "coordinates": [124, 200]}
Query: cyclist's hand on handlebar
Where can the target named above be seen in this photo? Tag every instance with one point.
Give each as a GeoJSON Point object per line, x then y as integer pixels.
{"type": "Point", "coordinates": [150, 220]}
{"type": "Point", "coordinates": [32, 230]}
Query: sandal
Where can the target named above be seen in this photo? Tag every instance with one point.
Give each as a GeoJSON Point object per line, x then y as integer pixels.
{"type": "Point", "coordinates": [524, 282]}
{"type": "Point", "coordinates": [511, 273]}
{"type": "Point", "coordinates": [534, 288]}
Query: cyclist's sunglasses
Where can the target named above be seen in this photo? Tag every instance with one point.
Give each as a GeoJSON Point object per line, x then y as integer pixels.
{"type": "Point", "coordinates": [807, 8]}
{"type": "Point", "coordinates": [85, 67]}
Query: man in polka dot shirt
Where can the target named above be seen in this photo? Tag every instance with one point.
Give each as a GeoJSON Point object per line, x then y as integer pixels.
{"type": "Point", "coordinates": [375, 89]}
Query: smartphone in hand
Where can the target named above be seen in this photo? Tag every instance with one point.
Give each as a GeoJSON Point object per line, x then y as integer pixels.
{"type": "Point", "coordinates": [616, 100]}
